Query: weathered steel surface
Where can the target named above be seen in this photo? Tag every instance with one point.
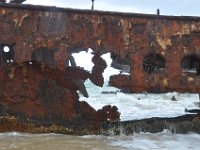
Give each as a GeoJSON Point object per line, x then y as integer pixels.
{"type": "Point", "coordinates": [53, 31]}
{"type": "Point", "coordinates": [160, 52]}
{"type": "Point", "coordinates": [35, 95]}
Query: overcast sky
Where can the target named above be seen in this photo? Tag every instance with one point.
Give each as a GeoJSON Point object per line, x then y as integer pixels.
{"type": "Point", "coordinates": [167, 7]}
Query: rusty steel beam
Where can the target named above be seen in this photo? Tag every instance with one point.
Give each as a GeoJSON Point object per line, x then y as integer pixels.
{"type": "Point", "coordinates": [161, 53]}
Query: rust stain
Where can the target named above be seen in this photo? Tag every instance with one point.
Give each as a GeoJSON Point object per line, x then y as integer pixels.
{"type": "Point", "coordinates": [165, 82]}
{"type": "Point", "coordinates": [163, 42]}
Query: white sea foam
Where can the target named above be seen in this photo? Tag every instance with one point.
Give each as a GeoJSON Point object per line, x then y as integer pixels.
{"type": "Point", "coordinates": [139, 106]}
{"type": "Point", "coordinates": [164, 141]}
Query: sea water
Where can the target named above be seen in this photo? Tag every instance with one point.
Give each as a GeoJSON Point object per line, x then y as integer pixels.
{"type": "Point", "coordinates": [131, 106]}
{"type": "Point", "coordinates": [143, 141]}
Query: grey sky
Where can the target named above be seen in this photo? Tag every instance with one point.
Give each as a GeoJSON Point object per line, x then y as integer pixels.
{"type": "Point", "coordinates": [167, 7]}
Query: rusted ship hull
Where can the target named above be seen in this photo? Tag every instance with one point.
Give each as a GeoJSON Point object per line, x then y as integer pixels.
{"type": "Point", "coordinates": [38, 89]}
{"type": "Point", "coordinates": [134, 38]}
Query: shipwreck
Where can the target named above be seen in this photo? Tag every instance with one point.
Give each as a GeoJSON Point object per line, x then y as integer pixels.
{"type": "Point", "coordinates": [38, 90]}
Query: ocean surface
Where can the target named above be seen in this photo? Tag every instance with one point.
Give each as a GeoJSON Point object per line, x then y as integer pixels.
{"type": "Point", "coordinates": [143, 141]}
{"type": "Point", "coordinates": [131, 106]}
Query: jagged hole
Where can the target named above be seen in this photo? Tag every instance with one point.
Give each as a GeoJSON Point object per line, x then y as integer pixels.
{"type": "Point", "coordinates": [81, 57]}
{"type": "Point", "coordinates": [119, 63]}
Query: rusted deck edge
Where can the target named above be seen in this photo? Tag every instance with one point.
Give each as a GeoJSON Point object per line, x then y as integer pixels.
{"type": "Point", "coordinates": [178, 125]}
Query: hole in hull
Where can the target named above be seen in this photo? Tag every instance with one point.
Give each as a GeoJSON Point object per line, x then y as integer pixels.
{"type": "Point", "coordinates": [153, 63]}
{"type": "Point", "coordinates": [191, 64]}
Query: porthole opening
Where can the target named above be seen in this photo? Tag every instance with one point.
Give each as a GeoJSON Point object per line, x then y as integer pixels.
{"type": "Point", "coordinates": [191, 64]}
{"type": "Point", "coordinates": [7, 54]}
{"type": "Point", "coordinates": [153, 63]}
{"type": "Point", "coordinates": [6, 49]}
